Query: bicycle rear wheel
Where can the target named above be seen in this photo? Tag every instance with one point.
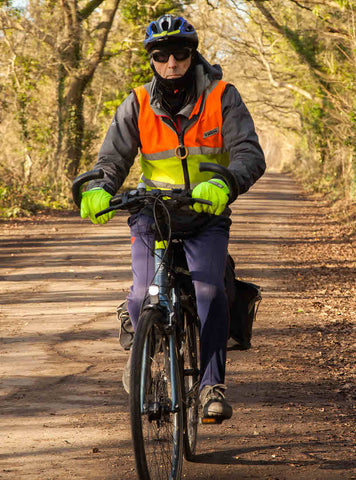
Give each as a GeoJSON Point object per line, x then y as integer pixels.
{"type": "Point", "coordinates": [191, 376]}
{"type": "Point", "coordinates": [157, 424]}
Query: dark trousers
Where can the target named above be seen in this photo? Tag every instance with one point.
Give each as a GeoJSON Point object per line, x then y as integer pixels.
{"type": "Point", "coordinates": [206, 255]}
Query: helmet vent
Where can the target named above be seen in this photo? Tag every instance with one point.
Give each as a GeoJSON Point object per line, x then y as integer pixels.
{"type": "Point", "coordinates": [177, 24]}
{"type": "Point", "coordinates": [165, 25]}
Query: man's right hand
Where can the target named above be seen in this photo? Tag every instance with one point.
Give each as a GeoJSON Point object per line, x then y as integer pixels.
{"type": "Point", "coordinates": [93, 201]}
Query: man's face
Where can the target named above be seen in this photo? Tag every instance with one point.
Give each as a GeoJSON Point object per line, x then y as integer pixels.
{"type": "Point", "coordinates": [172, 62]}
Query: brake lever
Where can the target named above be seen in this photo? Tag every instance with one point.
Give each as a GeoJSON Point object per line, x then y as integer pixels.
{"type": "Point", "coordinates": [112, 206]}
{"type": "Point", "coordinates": [107, 210]}
{"type": "Point", "coordinates": [121, 201]}
{"type": "Point", "coordinates": [116, 199]}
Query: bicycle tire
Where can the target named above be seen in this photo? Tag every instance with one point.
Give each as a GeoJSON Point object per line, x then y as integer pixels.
{"type": "Point", "coordinates": [191, 380]}
{"type": "Point", "coordinates": [157, 431]}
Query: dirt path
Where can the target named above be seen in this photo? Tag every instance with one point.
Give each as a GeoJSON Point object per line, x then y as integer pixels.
{"type": "Point", "coordinates": [64, 413]}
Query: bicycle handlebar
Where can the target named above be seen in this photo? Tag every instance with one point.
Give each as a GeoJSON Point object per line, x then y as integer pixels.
{"type": "Point", "coordinates": [80, 180]}
{"type": "Point", "coordinates": [227, 176]}
{"type": "Point", "coordinates": [127, 199]}
{"type": "Point", "coordinates": [138, 198]}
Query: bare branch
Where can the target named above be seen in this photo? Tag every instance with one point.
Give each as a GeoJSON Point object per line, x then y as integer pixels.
{"type": "Point", "coordinates": [89, 8]}
{"type": "Point", "coordinates": [278, 84]}
{"type": "Point", "coordinates": [300, 5]}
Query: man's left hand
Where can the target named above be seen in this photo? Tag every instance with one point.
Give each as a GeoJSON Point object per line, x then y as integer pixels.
{"type": "Point", "coordinates": [214, 190]}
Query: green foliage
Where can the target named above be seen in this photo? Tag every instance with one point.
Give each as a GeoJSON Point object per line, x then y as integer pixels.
{"type": "Point", "coordinates": [137, 13]}
{"type": "Point", "coordinates": [305, 44]}
{"type": "Point", "coordinates": [137, 73]}
{"type": "Point", "coordinates": [324, 67]}
{"type": "Point", "coordinates": [312, 50]}
{"type": "Point", "coordinates": [22, 201]}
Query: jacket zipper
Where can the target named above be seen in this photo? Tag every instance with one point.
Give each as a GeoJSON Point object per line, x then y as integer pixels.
{"type": "Point", "coordinates": [183, 160]}
{"type": "Point", "coordinates": [180, 133]}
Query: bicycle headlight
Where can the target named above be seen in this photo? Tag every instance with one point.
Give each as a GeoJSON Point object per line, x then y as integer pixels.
{"type": "Point", "coordinates": [153, 291]}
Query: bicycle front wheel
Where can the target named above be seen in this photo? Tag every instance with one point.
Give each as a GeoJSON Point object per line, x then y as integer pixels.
{"type": "Point", "coordinates": [156, 402]}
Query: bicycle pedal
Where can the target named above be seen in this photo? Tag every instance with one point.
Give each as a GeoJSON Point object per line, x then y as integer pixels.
{"type": "Point", "coordinates": [211, 420]}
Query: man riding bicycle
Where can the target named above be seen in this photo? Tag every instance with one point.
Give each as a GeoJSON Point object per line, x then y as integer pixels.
{"type": "Point", "coordinates": [184, 116]}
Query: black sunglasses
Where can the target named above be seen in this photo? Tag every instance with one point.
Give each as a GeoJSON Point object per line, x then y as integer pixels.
{"type": "Point", "coordinates": [162, 56]}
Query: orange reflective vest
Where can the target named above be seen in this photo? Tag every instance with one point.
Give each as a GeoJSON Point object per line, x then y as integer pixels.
{"type": "Point", "coordinates": [162, 162]}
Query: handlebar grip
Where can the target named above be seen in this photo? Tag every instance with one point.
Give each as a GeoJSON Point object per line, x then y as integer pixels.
{"type": "Point", "coordinates": [80, 180]}
{"type": "Point", "coordinates": [226, 174]}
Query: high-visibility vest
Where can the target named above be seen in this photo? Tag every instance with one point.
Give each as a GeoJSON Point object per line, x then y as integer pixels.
{"type": "Point", "coordinates": [162, 160]}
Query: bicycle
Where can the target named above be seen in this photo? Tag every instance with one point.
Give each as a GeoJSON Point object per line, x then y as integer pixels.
{"type": "Point", "coordinates": [165, 378]}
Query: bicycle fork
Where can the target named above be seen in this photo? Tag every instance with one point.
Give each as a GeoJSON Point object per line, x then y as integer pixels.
{"type": "Point", "coordinates": [158, 293]}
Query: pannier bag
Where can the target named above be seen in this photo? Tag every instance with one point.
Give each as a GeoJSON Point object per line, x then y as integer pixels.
{"type": "Point", "coordinates": [243, 299]}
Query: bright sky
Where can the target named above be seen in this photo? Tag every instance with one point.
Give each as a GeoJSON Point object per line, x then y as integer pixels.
{"type": "Point", "coordinates": [20, 3]}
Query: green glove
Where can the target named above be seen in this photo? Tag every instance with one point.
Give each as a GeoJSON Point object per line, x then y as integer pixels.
{"type": "Point", "coordinates": [214, 190]}
{"type": "Point", "coordinates": [93, 201]}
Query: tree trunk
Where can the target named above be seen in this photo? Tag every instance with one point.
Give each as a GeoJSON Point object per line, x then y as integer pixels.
{"type": "Point", "coordinates": [76, 72]}
{"type": "Point", "coordinates": [74, 127]}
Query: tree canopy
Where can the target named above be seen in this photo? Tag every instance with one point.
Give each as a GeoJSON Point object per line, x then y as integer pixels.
{"type": "Point", "coordinates": [65, 66]}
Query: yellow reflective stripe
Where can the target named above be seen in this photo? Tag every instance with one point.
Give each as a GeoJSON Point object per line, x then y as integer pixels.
{"type": "Point", "coordinates": [162, 34]}
{"type": "Point", "coordinates": [160, 244]}
{"type": "Point", "coordinates": [168, 172]}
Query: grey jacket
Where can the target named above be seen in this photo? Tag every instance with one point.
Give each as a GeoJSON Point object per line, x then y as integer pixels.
{"type": "Point", "coordinates": [122, 140]}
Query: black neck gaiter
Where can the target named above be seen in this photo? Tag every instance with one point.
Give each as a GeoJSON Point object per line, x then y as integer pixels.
{"type": "Point", "coordinates": [174, 94]}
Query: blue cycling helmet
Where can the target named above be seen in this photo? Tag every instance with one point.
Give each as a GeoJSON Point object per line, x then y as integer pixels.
{"type": "Point", "coordinates": [170, 29]}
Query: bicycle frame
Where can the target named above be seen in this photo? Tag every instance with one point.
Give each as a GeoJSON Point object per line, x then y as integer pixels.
{"type": "Point", "coordinates": [162, 302]}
